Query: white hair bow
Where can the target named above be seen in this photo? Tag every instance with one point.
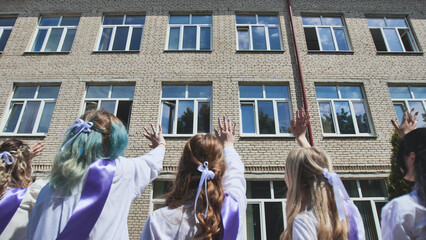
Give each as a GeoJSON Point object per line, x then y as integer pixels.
{"type": "Point", "coordinates": [206, 175]}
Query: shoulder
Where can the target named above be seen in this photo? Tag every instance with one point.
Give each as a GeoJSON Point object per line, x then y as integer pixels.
{"type": "Point", "coordinates": [403, 205]}
{"type": "Point", "coordinates": [167, 215]}
{"type": "Point", "coordinates": [305, 226]}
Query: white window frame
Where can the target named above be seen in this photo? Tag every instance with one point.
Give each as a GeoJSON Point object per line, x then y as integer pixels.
{"type": "Point", "coordinates": [334, 116]}
{"type": "Point", "coordinates": [175, 118]}
{"type": "Point", "coordinates": [114, 29]}
{"type": "Point", "coordinates": [253, 101]}
{"type": "Point", "coordinates": [332, 33]}
{"type": "Point", "coordinates": [109, 98]}
{"type": "Point", "coordinates": [410, 36]}
{"type": "Point", "coordinates": [261, 202]}
{"type": "Point", "coordinates": [266, 27]}
{"type": "Point", "coordinates": [3, 28]}
{"type": "Point", "coordinates": [24, 101]}
{"type": "Point", "coordinates": [182, 26]}
{"type": "Point", "coordinates": [49, 29]}
{"type": "Point", "coordinates": [404, 101]}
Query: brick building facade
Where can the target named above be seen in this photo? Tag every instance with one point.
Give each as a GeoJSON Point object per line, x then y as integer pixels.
{"type": "Point", "coordinates": [357, 56]}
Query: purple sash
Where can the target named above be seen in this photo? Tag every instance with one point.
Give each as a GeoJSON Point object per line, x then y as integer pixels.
{"type": "Point", "coordinates": [230, 218]}
{"type": "Point", "coordinates": [9, 204]}
{"type": "Point", "coordinates": [92, 201]}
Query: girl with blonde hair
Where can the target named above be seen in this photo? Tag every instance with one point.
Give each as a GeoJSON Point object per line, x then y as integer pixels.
{"type": "Point", "coordinates": [208, 198]}
{"type": "Point", "coordinates": [18, 193]}
{"type": "Point", "coordinates": [92, 185]}
{"type": "Point", "coordinates": [317, 206]}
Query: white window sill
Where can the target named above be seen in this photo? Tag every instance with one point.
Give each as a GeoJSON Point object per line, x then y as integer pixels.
{"type": "Point", "coordinates": [399, 53]}
{"type": "Point", "coordinates": [41, 53]}
{"type": "Point", "coordinates": [118, 51]}
{"type": "Point", "coordinates": [188, 50]}
{"type": "Point", "coordinates": [260, 51]}
{"type": "Point", "coordinates": [23, 134]}
{"type": "Point", "coordinates": [349, 135]}
{"type": "Point", "coordinates": [331, 52]}
{"type": "Point", "coordinates": [266, 136]}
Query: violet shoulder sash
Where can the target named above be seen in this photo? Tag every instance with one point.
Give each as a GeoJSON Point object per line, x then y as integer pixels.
{"type": "Point", "coordinates": [9, 204]}
{"type": "Point", "coordinates": [93, 197]}
{"type": "Point", "coordinates": [230, 218]}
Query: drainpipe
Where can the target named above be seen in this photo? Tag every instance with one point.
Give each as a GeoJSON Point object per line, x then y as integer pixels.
{"type": "Point", "coordinates": [299, 66]}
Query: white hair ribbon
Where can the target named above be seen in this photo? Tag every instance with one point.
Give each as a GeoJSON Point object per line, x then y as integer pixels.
{"type": "Point", "coordinates": [206, 175]}
{"type": "Point", "coordinates": [340, 193]}
{"type": "Point", "coordinates": [6, 155]}
{"type": "Point", "coordinates": [77, 128]}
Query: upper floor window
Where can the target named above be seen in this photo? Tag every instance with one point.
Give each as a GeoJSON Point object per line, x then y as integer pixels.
{"type": "Point", "coordinates": [258, 32]}
{"type": "Point", "coordinates": [408, 97]}
{"type": "Point", "coordinates": [343, 110]}
{"type": "Point", "coordinates": [6, 25]}
{"type": "Point", "coordinates": [189, 32]}
{"type": "Point", "coordinates": [392, 34]}
{"type": "Point", "coordinates": [116, 99]}
{"type": "Point", "coordinates": [265, 110]}
{"type": "Point", "coordinates": [325, 33]}
{"type": "Point", "coordinates": [185, 109]}
{"type": "Point", "coordinates": [55, 34]}
{"type": "Point", "coordinates": [121, 33]}
{"type": "Point", "coordinates": [31, 109]}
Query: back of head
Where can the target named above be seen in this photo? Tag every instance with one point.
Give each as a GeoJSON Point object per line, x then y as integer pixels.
{"type": "Point", "coordinates": [415, 141]}
{"type": "Point", "coordinates": [308, 188]}
{"type": "Point", "coordinates": [17, 174]}
{"type": "Point", "coordinates": [107, 139]}
{"type": "Point", "coordinates": [199, 149]}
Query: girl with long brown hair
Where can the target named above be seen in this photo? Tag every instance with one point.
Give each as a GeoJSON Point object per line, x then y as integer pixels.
{"type": "Point", "coordinates": [18, 193]}
{"type": "Point", "coordinates": [317, 206]}
{"type": "Point", "coordinates": [208, 199]}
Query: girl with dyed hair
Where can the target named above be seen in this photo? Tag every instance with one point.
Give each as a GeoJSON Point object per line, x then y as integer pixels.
{"type": "Point", "coordinates": [92, 185]}
{"type": "Point", "coordinates": [18, 193]}
{"type": "Point", "coordinates": [405, 217]}
{"type": "Point", "coordinates": [208, 198]}
{"type": "Point", "coordinates": [317, 206]}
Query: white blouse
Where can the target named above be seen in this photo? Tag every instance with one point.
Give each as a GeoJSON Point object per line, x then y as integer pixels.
{"type": "Point", "coordinates": [179, 223]}
{"type": "Point", "coordinates": [305, 226]}
{"type": "Point", "coordinates": [132, 175]}
{"type": "Point", "coordinates": [404, 218]}
{"type": "Point", "coordinates": [17, 227]}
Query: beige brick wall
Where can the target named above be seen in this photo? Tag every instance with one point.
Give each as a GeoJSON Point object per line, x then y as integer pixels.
{"type": "Point", "coordinates": [223, 67]}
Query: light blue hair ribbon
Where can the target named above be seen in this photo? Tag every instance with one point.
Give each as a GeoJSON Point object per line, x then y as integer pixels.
{"type": "Point", "coordinates": [206, 175]}
{"type": "Point", "coordinates": [78, 127]}
{"type": "Point", "coordinates": [340, 193]}
{"type": "Point", "coordinates": [6, 155]}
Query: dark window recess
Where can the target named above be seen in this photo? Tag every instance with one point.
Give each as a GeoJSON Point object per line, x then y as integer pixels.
{"type": "Point", "coordinates": [378, 39]}
{"type": "Point", "coordinates": [124, 111]}
{"type": "Point", "coordinates": [311, 39]}
{"type": "Point", "coordinates": [406, 39]}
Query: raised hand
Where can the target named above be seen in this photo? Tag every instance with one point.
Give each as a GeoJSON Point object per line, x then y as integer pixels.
{"type": "Point", "coordinates": [408, 123]}
{"type": "Point", "coordinates": [225, 134]}
{"type": "Point", "coordinates": [155, 138]}
{"type": "Point", "coordinates": [36, 150]}
{"type": "Point", "coordinates": [299, 126]}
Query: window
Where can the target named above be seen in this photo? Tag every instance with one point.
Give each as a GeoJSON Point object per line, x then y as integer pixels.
{"type": "Point", "coordinates": [31, 109]}
{"type": "Point", "coordinates": [121, 33]}
{"type": "Point", "coordinates": [265, 214]}
{"type": "Point", "coordinates": [343, 110]}
{"type": "Point", "coordinates": [325, 33]}
{"type": "Point", "coordinates": [265, 110]}
{"type": "Point", "coordinates": [55, 34]}
{"type": "Point", "coordinates": [6, 25]}
{"type": "Point", "coordinates": [185, 109]}
{"type": "Point", "coordinates": [116, 99]}
{"type": "Point", "coordinates": [408, 97]}
{"type": "Point", "coordinates": [189, 32]}
{"type": "Point", "coordinates": [159, 189]}
{"type": "Point", "coordinates": [392, 34]}
{"type": "Point", "coordinates": [369, 196]}
{"type": "Point", "coordinates": [258, 32]}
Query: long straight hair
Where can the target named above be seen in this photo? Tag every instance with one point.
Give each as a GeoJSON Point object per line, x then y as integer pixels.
{"type": "Point", "coordinates": [18, 174]}
{"type": "Point", "coordinates": [307, 187]}
{"type": "Point", "coordinates": [107, 139]}
{"type": "Point", "coordinates": [198, 149]}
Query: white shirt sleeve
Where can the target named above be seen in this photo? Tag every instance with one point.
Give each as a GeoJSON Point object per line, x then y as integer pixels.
{"type": "Point", "coordinates": [234, 183]}
{"type": "Point", "coordinates": [142, 170]}
{"type": "Point", "coordinates": [395, 224]}
{"type": "Point", "coordinates": [304, 227]}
